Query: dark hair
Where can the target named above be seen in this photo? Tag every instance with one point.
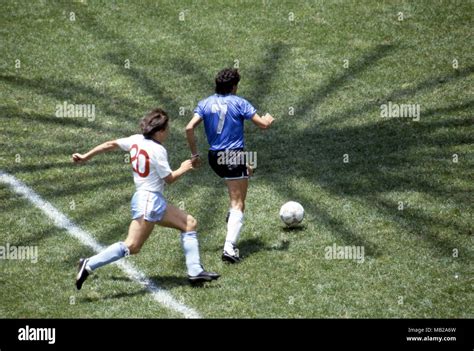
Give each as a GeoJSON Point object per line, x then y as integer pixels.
{"type": "Point", "coordinates": [226, 79]}
{"type": "Point", "coordinates": [153, 122]}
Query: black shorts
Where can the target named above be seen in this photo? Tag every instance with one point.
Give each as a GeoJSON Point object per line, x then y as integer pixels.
{"type": "Point", "coordinates": [229, 164]}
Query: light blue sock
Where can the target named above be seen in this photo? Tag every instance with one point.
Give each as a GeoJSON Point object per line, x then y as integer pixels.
{"type": "Point", "coordinates": [191, 252]}
{"type": "Point", "coordinates": [111, 254]}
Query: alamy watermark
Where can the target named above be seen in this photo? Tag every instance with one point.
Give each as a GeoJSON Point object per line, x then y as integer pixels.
{"type": "Point", "coordinates": [336, 252]}
{"type": "Point", "coordinates": [66, 110]}
{"type": "Point", "coordinates": [237, 158]}
{"type": "Point", "coordinates": [13, 252]}
{"type": "Point", "coordinates": [393, 110]}
{"type": "Point", "coordinates": [37, 334]}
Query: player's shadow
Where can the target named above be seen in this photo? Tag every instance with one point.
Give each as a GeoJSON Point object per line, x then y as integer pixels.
{"type": "Point", "coordinates": [166, 282]}
{"type": "Point", "coordinates": [121, 295]}
{"type": "Point", "coordinates": [170, 281]}
{"type": "Point", "coordinates": [249, 247]}
{"type": "Point", "coordinates": [163, 282]}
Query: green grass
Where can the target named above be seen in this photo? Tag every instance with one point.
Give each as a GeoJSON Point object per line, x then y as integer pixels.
{"type": "Point", "coordinates": [284, 64]}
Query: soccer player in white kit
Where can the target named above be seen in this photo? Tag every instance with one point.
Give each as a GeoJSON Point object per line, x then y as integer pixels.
{"type": "Point", "coordinates": [151, 171]}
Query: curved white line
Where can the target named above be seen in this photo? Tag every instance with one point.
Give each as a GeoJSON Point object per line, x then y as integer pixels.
{"type": "Point", "coordinates": [60, 220]}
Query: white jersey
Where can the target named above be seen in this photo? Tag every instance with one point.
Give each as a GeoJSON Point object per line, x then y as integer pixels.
{"type": "Point", "coordinates": [149, 161]}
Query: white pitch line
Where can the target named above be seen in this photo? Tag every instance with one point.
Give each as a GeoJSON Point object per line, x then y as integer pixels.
{"type": "Point", "coordinates": [60, 220]}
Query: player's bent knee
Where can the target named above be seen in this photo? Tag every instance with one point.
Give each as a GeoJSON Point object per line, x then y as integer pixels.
{"type": "Point", "coordinates": [191, 223]}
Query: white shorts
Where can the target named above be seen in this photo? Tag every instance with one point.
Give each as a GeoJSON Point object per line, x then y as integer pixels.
{"type": "Point", "coordinates": [148, 204]}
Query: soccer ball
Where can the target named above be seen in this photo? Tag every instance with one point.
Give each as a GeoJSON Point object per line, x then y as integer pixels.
{"type": "Point", "coordinates": [291, 213]}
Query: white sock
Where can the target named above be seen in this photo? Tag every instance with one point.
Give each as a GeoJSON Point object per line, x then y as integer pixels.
{"type": "Point", "coordinates": [234, 226]}
{"type": "Point", "coordinates": [190, 244]}
{"type": "Point", "coordinates": [111, 254]}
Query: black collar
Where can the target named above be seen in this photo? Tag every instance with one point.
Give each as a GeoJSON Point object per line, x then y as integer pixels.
{"type": "Point", "coordinates": [156, 141]}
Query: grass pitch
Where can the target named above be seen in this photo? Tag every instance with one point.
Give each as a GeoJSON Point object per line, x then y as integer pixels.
{"type": "Point", "coordinates": [399, 188]}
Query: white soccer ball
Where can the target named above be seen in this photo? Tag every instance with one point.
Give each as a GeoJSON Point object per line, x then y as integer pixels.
{"type": "Point", "coordinates": [291, 213]}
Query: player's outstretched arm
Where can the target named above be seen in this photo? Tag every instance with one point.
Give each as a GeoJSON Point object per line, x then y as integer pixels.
{"type": "Point", "coordinates": [107, 146]}
{"type": "Point", "coordinates": [193, 123]}
{"type": "Point", "coordinates": [263, 122]}
{"type": "Point", "coordinates": [174, 176]}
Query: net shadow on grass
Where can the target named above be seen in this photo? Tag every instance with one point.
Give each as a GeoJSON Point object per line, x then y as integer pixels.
{"type": "Point", "coordinates": [377, 151]}
{"type": "Point", "coordinates": [106, 103]}
{"type": "Point", "coordinates": [433, 82]}
{"type": "Point", "coordinates": [377, 144]}
{"type": "Point", "coordinates": [263, 76]}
